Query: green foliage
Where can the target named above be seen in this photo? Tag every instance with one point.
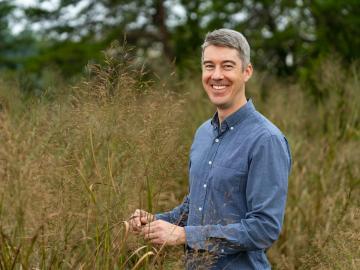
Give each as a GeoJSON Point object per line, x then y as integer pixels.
{"type": "Point", "coordinates": [70, 56]}
{"type": "Point", "coordinates": [337, 27]}
{"type": "Point", "coordinates": [13, 49]}
{"type": "Point", "coordinates": [288, 38]}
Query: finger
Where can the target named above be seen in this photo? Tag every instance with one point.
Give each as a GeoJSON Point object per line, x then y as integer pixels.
{"type": "Point", "coordinates": [150, 236]}
{"type": "Point", "coordinates": [154, 223]}
{"type": "Point", "coordinates": [135, 223]}
{"type": "Point", "coordinates": [136, 220]}
{"type": "Point", "coordinates": [148, 229]}
{"type": "Point", "coordinates": [145, 220]}
{"type": "Point", "coordinates": [140, 217]}
{"type": "Point", "coordinates": [142, 213]}
{"type": "Point", "coordinates": [157, 241]}
{"type": "Point", "coordinates": [132, 220]}
{"type": "Point", "coordinates": [147, 215]}
{"type": "Point", "coordinates": [131, 224]}
{"type": "Point", "coordinates": [136, 213]}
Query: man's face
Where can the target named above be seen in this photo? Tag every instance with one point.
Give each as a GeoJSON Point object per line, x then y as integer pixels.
{"type": "Point", "coordinates": [223, 77]}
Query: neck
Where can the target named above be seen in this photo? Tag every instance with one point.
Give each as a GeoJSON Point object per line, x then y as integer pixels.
{"type": "Point", "coordinates": [225, 112]}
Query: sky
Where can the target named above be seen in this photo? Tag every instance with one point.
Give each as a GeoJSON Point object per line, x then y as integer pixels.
{"type": "Point", "coordinates": [177, 14]}
{"type": "Point", "coordinates": [19, 25]}
{"type": "Point", "coordinates": [48, 3]}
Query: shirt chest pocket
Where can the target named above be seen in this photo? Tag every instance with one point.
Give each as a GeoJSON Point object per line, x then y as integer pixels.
{"type": "Point", "coordinates": [228, 180]}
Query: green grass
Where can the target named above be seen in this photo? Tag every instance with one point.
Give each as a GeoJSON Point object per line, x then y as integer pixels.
{"type": "Point", "coordinates": [77, 161]}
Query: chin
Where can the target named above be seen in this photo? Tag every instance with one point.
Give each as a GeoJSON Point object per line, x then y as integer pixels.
{"type": "Point", "coordinates": [219, 104]}
{"type": "Point", "coordinates": [216, 100]}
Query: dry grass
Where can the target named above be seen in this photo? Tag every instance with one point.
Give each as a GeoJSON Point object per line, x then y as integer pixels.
{"type": "Point", "coordinates": [74, 167]}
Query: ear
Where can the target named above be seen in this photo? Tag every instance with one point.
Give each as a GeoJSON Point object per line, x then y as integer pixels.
{"type": "Point", "coordinates": [248, 72]}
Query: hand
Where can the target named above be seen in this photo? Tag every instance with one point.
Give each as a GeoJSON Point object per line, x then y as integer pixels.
{"type": "Point", "coordinates": [161, 232]}
{"type": "Point", "coordinates": [138, 219]}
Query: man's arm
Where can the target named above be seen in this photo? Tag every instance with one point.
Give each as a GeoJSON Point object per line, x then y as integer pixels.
{"type": "Point", "coordinates": [266, 197]}
{"type": "Point", "coordinates": [168, 227]}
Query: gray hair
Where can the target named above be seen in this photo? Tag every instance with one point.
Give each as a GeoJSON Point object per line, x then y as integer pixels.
{"type": "Point", "coordinates": [231, 39]}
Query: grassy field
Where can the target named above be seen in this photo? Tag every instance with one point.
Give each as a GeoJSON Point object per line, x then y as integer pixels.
{"type": "Point", "coordinates": [77, 160]}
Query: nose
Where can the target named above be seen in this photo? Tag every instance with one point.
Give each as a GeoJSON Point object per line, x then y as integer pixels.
{"type": "Point", "coordinates": [217, 74]}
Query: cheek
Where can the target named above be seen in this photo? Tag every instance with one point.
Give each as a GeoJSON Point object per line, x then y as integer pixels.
{"type": "Point", "coordinates": [204, 82]}
{"type": "Point", "coordinates": [204, 78]}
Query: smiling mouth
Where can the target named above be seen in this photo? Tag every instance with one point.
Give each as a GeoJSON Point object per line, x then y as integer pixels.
{"type": "Point", "coordinates": [218, 87]}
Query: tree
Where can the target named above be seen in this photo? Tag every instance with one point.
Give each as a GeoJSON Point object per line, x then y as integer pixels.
{"type": "Point", "coordinates": [97, 23]}
{"type": "Point", "coordinates": [13, 48]}
{"type": "Point", "coordinates": [285, 35]}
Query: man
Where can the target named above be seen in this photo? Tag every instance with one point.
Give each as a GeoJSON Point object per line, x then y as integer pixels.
{"type": "Point", "coordinates": [239, 167]}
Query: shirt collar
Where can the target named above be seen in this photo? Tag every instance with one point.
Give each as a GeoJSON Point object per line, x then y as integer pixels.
{"type": "Point", "coordinates": [238, 116]}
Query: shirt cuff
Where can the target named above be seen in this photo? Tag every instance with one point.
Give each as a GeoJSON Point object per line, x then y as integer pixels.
{"type": "Point", "coordinates": [162, 216]}
{"type": "Point", "coordinates": [196, 237]}
{"type": "Point", "coordinates": [205, 238]}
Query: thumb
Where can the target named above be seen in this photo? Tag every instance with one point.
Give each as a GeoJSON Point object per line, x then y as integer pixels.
{"type": "Point", "coordinates": [144, 220]}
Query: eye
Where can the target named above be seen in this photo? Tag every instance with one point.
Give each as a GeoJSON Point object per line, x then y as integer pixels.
{"type": "Point", "coordinates": [228, 67]}
{"type": "Point", "coordinates": [208, 66]}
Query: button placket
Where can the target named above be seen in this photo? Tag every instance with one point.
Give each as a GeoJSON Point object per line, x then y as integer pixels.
{"type": "Point", "coordinates": [211, 157]}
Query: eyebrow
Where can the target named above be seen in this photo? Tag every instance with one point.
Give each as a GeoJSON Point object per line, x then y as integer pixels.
{"type": "Point", "coordinates": [223, 62]}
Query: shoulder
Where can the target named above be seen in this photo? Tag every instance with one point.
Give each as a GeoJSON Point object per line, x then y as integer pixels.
{"type": "Point", "coordinates": [263, 129]}
{"type": "Point", "coordinates": [268, 136]}
{"type": "Point", "coordinates": [202, 135]}
{"type": "Point", "coordinates": [204, 129]}
{"type": "Point", "coordinates": [263, 132]}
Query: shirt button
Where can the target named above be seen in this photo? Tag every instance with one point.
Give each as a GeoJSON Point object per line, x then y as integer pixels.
{"type": "Point", "coordinates": [222, 251]}
{"type": "Point", "coordinates": [210, 162]}
{"type": "Point", "coordinates": [204, 185]}
{"type": "Point", "coordinates": [217, 140]}
{"type": "Point", "coordinates": [200, 209]}
{"type": "Point", "coordinates": [231, 128]}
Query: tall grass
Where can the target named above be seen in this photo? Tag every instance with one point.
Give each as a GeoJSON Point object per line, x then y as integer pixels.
{"type": "Point", "coordinates": [72, 169]}
{"type": "Point", "coordinates": [321, 229]}
{"type": "Point", "coordinates": [74, 166]}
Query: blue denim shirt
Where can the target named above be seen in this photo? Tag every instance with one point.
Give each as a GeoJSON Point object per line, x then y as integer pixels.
{"type": "Point", "coordinates": [238, 186]}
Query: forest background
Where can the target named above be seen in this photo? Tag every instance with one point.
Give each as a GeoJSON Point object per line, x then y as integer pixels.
{"type": "Point", "coordinates": [99, 101]}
